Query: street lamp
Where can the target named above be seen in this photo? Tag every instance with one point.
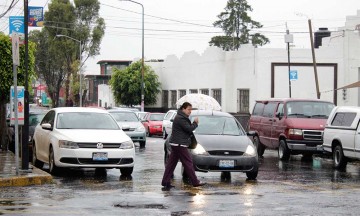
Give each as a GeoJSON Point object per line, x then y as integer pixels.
{"type": "Point", "coordinates": [142, 56]}
{"type": "Point", "coordinates": [80, 88]}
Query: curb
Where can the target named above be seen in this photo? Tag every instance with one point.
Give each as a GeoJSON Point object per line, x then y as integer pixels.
{"type": "Point", "coordinates": [37, 177]}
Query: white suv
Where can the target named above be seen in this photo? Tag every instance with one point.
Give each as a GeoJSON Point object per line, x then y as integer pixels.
{"type": "Point", "coordinates": [342, 135]}
{"type": "Point", "coordinates": [167, 122]}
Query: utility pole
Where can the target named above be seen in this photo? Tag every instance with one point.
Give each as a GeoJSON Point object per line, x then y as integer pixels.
{"type": "Point", "coordinates": [314, 60]}
{"type": "Point", "coordinates": [289, 39]}
{"type": "Point", "coordinates": [25, 129]}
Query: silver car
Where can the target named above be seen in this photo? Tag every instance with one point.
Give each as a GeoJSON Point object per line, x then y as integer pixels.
{"type": "Point", "coordinates": [130, 124]}
{"type": "Point", "coordinates": [223, 146]}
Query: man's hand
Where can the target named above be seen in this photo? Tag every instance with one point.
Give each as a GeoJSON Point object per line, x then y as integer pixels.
{"type": "Point", "coordinates": [196, 119]}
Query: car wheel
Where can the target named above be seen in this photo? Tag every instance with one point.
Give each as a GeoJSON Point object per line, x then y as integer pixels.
{"type": "Point", "coordinates": [283, 152]}
{"type": "Point", "coordinates": [52, 167]}
{"type": "Point", "coordinates": [35, 161]}
{"type": "Point", "coordinates": [225, 175]}
{"type": "Point", "coordinates": [340, 160]}
{"type": "Point", "coordinates": [126, 171]}
{"type": "Point", "coordinates": [164, 134]}
{"type": "Point", "coordinates": [259, 146]}
{"type": "Point", "coordinates": [148, 134]}
{"type": "Point", "coordinates": [142, 144]}
{"type": "Point", "coordinates": [252, 175]}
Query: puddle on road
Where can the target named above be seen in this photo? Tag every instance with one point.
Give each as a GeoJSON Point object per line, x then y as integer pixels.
{"type": "Point", "coordinates": [144, 206]}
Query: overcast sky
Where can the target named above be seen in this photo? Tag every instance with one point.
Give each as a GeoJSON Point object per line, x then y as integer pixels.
{"type": "Point", "coordinates": [174, 27]}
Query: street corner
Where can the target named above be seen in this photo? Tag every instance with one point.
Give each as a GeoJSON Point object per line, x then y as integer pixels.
{"type": "Point", "coordinates": [36, 177]}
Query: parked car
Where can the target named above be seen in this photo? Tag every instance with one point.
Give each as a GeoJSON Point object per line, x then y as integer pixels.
{"type": "Point", "coordinates": [82, 137]}
{"type": "Point", "coordinates": [167, 122]}
{"type": "Point", "coordinates": [223, 145]}
{"type": "Point", "coordinates": [153, 123]}
{"type": "Point", "coordinates": [130, 124]}
{"type": "Point", "coordinates": [141, 115]}
{"type": "Point", "coordinates": [35, 118]}
{"type": "Point", "coordinates": [293, 126]}
{"type": "Point", "coordinates": [342, 135]}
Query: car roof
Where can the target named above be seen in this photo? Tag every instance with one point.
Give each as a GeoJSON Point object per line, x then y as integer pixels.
{"type": "Point", "coordinates": [120, 110]}
{"type": "Point", "coordinates": [210, 113]}
{"type": "Point", "coordinates": [290, 99]}
{"type": "Point", "coordinates": [347, 109]}
{"type": "Point", "coordinates": [78, 109]}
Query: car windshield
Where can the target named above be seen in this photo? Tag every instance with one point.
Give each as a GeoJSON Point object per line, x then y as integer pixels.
{"type": "Point", "coordinates": [309, 109]}
{"type": "Point", "coordinates": [157, 117]}
{"type": "Point", "coordinates": [218, 125]}
{"type": "Point", "coordinates": [86, 120]}
{"type": "Point", "coordinates": [142, 115]}
{"type": "Point", "coordinates": [35, 118]}
{"type": "Point", "coordinates": [125, 116]}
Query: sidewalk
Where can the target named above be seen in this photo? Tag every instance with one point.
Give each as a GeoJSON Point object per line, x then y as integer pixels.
{"type": "Point", "coordinates": [8, 175]}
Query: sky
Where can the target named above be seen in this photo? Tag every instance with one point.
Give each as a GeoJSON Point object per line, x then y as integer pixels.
{"type": "Point", "coordinates": [175, 27]}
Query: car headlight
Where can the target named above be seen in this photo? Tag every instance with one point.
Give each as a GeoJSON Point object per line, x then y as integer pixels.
{"type": "Point", "coordinates": [295, 132]}
{"type": "Point", "coordinates": [140, 129]}
{"type": "Point", "coordinates": [199, 150]}
{"type": "Point", "coordinates": [68, 144]}
{"type": "Point", "coordinates": [250, 151]}
{"type": "Point", "coordinates": [127, 145]}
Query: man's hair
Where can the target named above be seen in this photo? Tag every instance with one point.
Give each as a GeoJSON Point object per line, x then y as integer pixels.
{"type": "Point", "coordinates": [185, 105]}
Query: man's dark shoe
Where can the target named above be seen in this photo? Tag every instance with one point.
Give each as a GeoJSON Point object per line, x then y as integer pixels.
{"type": "Point", "coordinates": [167, 187]}
{"type": "Point", "coordinates": [200, 184]}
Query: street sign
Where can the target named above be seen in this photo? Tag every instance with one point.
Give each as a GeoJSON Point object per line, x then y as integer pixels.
{"type": "Point", "coordinates": [20, 103]}
{"type": "Point", "coordinates": [16, 24]}
{"type": "Point", "coordinates": [15, 48]}
{"type": "Point", "coordinates": [36, 17]}
{"type": "Point", "coordinates": [293, 75]}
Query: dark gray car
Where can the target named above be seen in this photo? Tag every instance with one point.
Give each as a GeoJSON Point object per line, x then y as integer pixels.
{"type": "Point", "coordinates": [223, 145]}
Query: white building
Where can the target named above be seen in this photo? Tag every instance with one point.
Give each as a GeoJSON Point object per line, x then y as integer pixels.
{"type": "Point", "coordinates": [238, 78]}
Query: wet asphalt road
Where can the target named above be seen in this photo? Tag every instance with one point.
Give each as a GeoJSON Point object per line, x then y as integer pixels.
{"type": "Point", "coordinates": [296, 187]}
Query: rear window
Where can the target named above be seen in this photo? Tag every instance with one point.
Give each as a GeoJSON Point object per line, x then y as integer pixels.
{"type": "Point", "coordinates": [343, 119]}
{"type": "Point", "coordinates": [258, 109]}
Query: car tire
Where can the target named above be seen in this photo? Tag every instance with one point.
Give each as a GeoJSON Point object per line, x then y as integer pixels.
{"type": "Point", "coordinates": [164, 134]}
{"type": "Point", "coordinates": [339, 159]}
{"type": "Point", "coordinates": [259, 146]}
{"type": "Point", "coordinates": [283, 151]}
{"type": "Point", "coordinates": [35, 161]}
{"type": "Point", "coordinates": [251, 175]}
{"type": "Point", "coordinates": [225, 175]}
{"type": "Point", "coordinates": [148, 134]}
{"type": "Point", "coordinates": [126, 171]}
{"type": "Point", "coordinates": [142, 144]}
{"type": "Point", "coordinates": [53, 169]}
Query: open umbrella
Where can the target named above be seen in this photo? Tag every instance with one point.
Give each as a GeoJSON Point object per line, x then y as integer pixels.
{"type": "Point", "coordinates": [200, 101]}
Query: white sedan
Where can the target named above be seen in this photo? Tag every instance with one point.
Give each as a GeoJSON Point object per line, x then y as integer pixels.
{"type": "Point", "coordinates": [82, 137]}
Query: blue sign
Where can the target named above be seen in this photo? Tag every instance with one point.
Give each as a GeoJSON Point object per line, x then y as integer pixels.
{"type": "Point", "coordinates": [293, 74]}
{"type": "Point", "coordinates": [16, 24]}
{"type": "Point", "coordinates": [36, 17]}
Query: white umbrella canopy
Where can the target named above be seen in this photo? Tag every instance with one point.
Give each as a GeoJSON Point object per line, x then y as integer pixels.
{"type": "Point", "coordinates": [200, 102]}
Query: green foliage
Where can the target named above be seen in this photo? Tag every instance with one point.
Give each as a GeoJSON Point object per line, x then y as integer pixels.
{"type": "Point", "coordinates": [237, 26]}
{"type": "Point", "coordinates": [126, 85]}
{"type": "Point", "coordinates": [6, 67]}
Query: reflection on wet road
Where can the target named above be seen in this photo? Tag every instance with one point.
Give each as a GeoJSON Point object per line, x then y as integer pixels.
{"type": "Point", "coordinates": [300, 187]}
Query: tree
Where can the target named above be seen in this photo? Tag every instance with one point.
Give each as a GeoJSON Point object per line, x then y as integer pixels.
{"type": "Point", "coordinates": [126, 85]}
{"type": "Point", "coordinates": [81, 22]}
{"type": "Point", "coordinates": [237, 26]}
{"type": "Point", "coordinates": [6, 74]}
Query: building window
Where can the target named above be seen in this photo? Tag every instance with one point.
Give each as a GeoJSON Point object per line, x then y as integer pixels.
{"type": "Point", "coordinates": [182, 93]}
{"type": "Point", "coordinates": [193, 91]}
{"type": "Point", "coordinates": [165, 99]}
{"type": "Point", "coordinates": [243, 100]}
{"type": "Point", "coordinates": [216, 93]}
{"type": "Point", "coordinates": [204, 91]}
{"type": "Point", "coordinates": [173, 99]}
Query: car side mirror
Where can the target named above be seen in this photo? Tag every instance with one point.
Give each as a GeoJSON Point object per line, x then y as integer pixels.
{"type": "Point", "coordinates": [250, 133]}
{"type": "Point", "coordinates": [46, 126]}
{"type": "Point", "coordinates": [279, 115]}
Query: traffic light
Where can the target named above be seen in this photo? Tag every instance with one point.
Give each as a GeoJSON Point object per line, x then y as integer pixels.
{"type": "Point", "coordinates": [344, 94]}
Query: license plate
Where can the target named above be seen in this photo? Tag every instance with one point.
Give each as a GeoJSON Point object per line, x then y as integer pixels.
{"type": "Point", "coordinates": [226, 163]}
{"type": "Point", "coordinates": [100, 156]}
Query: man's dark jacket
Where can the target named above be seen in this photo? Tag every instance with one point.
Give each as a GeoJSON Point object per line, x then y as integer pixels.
{"type": "Point", "coordinates": [182, 129]}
